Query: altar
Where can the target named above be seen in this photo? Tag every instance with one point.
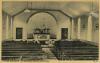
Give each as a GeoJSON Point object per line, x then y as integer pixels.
{"type": "Point", "coordinates": [41, 33]}
{"type": "Point", "coordinates": [41, 36]}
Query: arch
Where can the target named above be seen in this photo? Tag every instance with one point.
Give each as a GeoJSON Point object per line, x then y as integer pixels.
{"type": "Point", "coordinates": [40, 19]}
{"type": "Point", "coordinates": [42, 12]}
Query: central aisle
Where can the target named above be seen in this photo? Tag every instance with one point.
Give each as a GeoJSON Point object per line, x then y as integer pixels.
{"type": "Point", "coordinates": [49, 53]}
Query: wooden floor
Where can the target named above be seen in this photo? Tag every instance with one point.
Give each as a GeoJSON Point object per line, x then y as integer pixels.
{"type": "Point", "coordinates": [62, 50]}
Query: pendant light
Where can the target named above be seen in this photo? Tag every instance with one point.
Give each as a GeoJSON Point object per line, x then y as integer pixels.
{"type": "Point", "coordinates": [27, 8]}
{"type": "Point", "coordinates": [92, 10]}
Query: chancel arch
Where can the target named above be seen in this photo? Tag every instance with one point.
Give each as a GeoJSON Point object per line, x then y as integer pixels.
{"type": "Point", "coordinates": [45, 21]}
{"type": "Point", "coordinates": [48, 12]}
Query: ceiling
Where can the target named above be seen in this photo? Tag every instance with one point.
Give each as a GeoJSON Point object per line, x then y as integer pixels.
{"type": "Point", "coordinates": [70, 8]}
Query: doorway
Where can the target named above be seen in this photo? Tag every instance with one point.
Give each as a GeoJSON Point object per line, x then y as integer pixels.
{"type": "Point", "coordinates": [64, 33]}
{"type": "Point", "coordinates": [19, 32]}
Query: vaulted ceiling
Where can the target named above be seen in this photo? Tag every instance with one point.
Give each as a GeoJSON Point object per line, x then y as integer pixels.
{"type": "Point", "coordinates": [70, 8]}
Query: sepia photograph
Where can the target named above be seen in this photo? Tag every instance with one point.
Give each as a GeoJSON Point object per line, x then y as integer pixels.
{"type": "Point", "coordinates": [50, 30]}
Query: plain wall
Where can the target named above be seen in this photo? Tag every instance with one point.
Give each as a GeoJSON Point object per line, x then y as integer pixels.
{"type": "Point", "coordinates": [37, 20]}
{"type": "Point", "coordinates": [62, 22]}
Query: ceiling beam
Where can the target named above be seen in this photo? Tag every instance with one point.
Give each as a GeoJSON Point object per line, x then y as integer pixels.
{"type": "Point", "coordinates": [64, 13]}
{"type": "Point", "coordinates": [18, 12]}
{"type": "Point", "coordinates": [52, 10]}
{"type": "Point", "coordinates": [5, 12]}
{"type": "Point", "coordinates": [43, 10]}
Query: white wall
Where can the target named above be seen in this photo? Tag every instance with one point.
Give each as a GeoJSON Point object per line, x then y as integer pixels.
{"type": "Point", "coordinates": [75, 27]}
{"type": "Point", "coordinates": [84, 24]}
{"type": "Point", "coordinates": [4, 16]}
{"type": "Point", "coordinates": [83, 32]}
{"type": "Point", "coordinates": [35, 21]}
{"type": "Point", "coordinates": [6, 29]}
{"type": "Point", "coordinates": [95, 36]}
{"type": "Point", "coordinates": [95, 33]}
{"type": "Point", "coordinates": [63, 22]}
{"type": "Point", "coordinates": [19, 24]}
{"type": "Point", "coordinates": [38, 20]}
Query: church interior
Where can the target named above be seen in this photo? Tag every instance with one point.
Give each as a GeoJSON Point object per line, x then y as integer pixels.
{"type": "Point", "coordinates": [56, 30]}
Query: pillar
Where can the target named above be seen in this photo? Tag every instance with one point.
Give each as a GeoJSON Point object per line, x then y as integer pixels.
{"type": "Point", "coordinates": [72, 29]}
{"type": "Point", "coordinates": [89, 28]}
{"type": "Point", "coordinates": [69, 29]}
{"type": "Point", "coordinates": [11, 32]}
{"type": "Point", "coordinates": [7, 28]}
{"type": "Point", "coordinates": [79, 29]}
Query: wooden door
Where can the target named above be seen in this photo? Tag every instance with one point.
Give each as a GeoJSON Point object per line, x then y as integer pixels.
{"type": "Point", "coordinates": [64, 33]}
{"type": "Point", "coordinates": [19, 33]}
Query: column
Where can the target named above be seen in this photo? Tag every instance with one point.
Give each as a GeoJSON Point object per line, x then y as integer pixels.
{"type": "Point", "coordinates": [69, 29]}
{"type": "Point", "coordinates": [1, 26]}
{"type": "Point", "coordinates": [89, 28]}
{"type": "Point", "coordinates": [72, 31]}
{"type": "Point", "coordinates": [11, 32]}
{"type": "Point", "coordinates": [79, 28]}
{"type": "Point", "coordinates": [7, 27]}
